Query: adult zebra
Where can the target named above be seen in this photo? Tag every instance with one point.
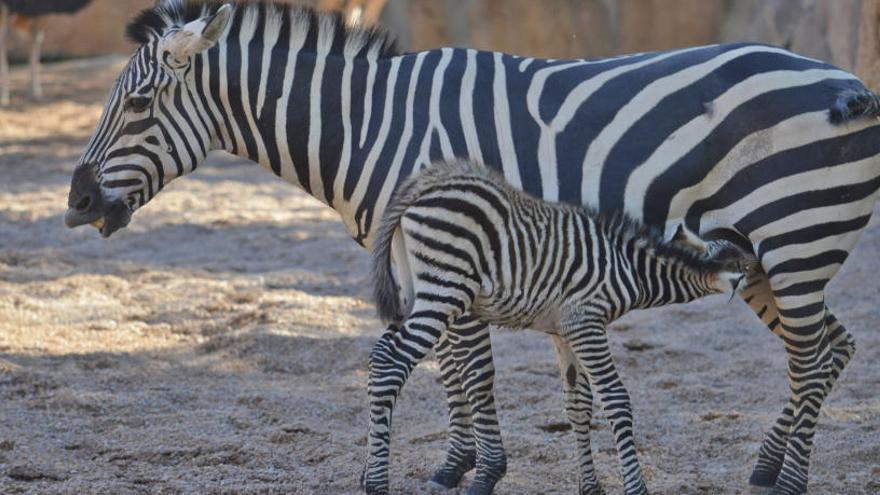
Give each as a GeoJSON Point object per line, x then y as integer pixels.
{"type": "Point", "coordinates": [748, 142]}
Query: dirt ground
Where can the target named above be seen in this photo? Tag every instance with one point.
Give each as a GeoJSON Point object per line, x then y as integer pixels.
{"type": "Point", "coordinates": [219, 345]}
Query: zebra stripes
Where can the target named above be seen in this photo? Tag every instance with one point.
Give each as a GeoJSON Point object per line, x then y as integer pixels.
{"type": "Point", "coordinates": [749, 143]}
{"type": "Point", "coordinates": [469, 242]}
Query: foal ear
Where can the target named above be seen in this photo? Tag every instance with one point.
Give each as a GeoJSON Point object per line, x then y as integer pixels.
{"type": "Point", "coordinates": [684, 236]}
{"type": "Point", "coordinates": [198, 35]}
{"type": "Point", "coordinates": [679, 235]}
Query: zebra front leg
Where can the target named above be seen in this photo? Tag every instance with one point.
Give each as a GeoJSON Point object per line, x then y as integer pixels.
{"type": "Point", "coordinates": [391, 362]}
{"type": "Point", "coordinates": [471, 348]}
{"type": "Point", "coordinates": [589, 342]}
{"type": "Point", "coordinates": [461, 452]}
{"type": "Point", "coordinates": [579, 409]}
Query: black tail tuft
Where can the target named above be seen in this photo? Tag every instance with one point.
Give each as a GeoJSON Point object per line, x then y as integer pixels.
{"type": "Point", "coordinates": [854, 104]}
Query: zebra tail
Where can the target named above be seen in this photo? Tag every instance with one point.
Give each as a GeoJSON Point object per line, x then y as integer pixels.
{"type": "Point", "coordinates": [854, 104]}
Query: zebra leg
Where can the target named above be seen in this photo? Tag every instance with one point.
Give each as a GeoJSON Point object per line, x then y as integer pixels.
{"type": "Point", "coordinates": [772, 452]}
{"type": "Point", "coordinates": [461, 453]}
{"type": "Point", "coordinates": [589, 342]}
{"type": "Point", "coordinates": [579, 408]}
{"type": "Point", "coordinates": [4, 61]}
{"type": "Point", "coordinates": [472, 351]}
{"type": "Point", "coordinates": [391, 361]}
{"type": "Point", "coordinates": [759, 296]}
{"type": "Point", "coordinates": [802, 326]}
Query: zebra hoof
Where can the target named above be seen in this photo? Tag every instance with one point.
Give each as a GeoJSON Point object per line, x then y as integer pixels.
{"type": "Point", "coordinates": [437, 487]}
{"type": "Point", "coordinates": [761, 482]}
{"type": "Point", "coordinates": [445, 479]}
{"type": "Point", "coordinates": [481, 486]}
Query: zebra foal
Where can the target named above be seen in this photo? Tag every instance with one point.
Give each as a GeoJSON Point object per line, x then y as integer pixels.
{"type": "Point", "coordinates": [465, 241]}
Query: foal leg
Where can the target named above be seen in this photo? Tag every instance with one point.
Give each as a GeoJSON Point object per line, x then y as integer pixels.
{"type": "Point", "coordinates": [393, 359]}
{"type": "Point", "coordinates": [579, 408]}
{"type": "Point", "coordinates": [461, 453]}
{"type": "Point", "coordinates": [472, 351]}
{"type": "Point", "coordinates": [589, 342]}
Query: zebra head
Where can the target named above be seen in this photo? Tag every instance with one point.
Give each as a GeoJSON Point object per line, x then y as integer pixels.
{"type": "Point", "coordinates": [151, 130]}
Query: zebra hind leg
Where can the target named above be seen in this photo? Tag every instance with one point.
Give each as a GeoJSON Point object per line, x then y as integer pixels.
{"type": "Point", "coordinates": [772, 453]}
{"type": "Point", "coordinates": [472, 351]}
{"type": "Point", "coordinates": [579, 408]}
{"type": "Point", "coordinates": [842, 346]}
{"type": "Point", "coordinates": [461, 453]}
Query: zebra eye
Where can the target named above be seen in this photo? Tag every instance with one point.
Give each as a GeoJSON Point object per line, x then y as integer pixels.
{"type": "Point", "coordinates": [137, 103]}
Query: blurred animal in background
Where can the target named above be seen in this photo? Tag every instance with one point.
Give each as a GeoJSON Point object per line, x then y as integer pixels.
{"type": "Point", "coordinates": [29, 16]}
{"type": "Point", "coordinates": [355, 11]}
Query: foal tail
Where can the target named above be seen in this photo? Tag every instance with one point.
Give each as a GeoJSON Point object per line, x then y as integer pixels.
{"type": "Point", "coordinates": [385, 288]}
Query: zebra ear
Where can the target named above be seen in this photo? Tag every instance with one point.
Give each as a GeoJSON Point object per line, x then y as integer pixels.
{"type": "Point", "coordinates": [198, 35]}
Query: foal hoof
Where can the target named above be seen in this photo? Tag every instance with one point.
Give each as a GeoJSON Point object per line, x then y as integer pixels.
{"type": "Point", "coordinates": [448, 477]}
{"type": "Point", "coordinates": [591, 490]}
{"type": "Point", "coordinates": [762, 480]}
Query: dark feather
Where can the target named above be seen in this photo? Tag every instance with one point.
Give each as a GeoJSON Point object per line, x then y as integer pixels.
{"type": "Point", "coordinates": [34, 8]}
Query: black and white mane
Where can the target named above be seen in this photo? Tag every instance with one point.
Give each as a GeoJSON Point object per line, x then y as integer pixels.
{"type": "Point", "coordinates": [152, 23]}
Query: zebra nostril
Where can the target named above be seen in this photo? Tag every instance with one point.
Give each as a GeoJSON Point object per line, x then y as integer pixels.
{"type": "Point", "coordinates": [83, 205]}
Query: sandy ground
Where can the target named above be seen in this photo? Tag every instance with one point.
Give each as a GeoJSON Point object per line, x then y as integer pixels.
{"type": "Point", "coordinates": [219, 345]}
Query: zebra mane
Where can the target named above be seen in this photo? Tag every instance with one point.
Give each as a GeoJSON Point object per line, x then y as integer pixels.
{"type": "Point", "coordinates": [152, 23]}
{"type": "Point", "coordinates": [614, 224]}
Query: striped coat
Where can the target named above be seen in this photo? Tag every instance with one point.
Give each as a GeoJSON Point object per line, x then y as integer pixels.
{"type": "Point", "coordinates": [746, 142]}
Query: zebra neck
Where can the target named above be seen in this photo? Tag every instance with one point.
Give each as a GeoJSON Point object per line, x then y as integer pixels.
{"type": "Point", "coordinates": [291, 117]}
